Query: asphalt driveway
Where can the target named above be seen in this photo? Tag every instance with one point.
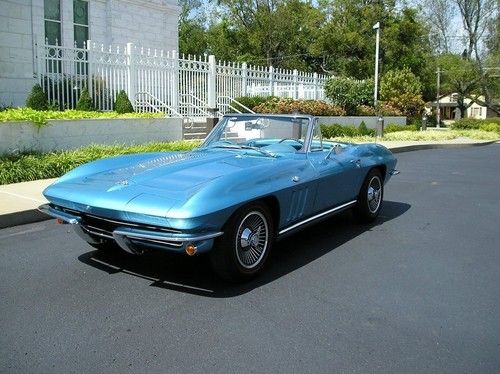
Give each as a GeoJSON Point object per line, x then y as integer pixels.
{"type": "Point", "coordinates": [416, 292]}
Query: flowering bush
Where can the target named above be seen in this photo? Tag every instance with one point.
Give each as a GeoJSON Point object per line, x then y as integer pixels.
{"type": "Point", "coordinates": [287, 106]}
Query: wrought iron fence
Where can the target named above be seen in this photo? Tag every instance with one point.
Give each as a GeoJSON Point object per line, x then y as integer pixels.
{"type": "Point", "coordinates": [154, 80]}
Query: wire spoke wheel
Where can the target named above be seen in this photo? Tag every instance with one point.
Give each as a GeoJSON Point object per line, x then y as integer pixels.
{"type": "Point", "coordinates": [370, 198]}
{"type": "Point", "coordinates": [252, 239]}
{"type": "Point", "coordinates": [374, 194]}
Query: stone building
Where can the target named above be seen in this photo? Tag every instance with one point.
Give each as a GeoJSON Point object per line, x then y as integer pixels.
{"type": "Point", "coordinates": [23, 23]}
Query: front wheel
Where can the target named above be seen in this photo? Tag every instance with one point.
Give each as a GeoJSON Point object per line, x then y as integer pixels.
{"type": "Point", "coordinates": [370, 197]}
{"type": "Point", "coordinates": [242, 251]}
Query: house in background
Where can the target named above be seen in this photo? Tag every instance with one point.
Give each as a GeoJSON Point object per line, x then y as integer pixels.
{"type": "Point", "coordinates": [449, 111]}
{"type": "Point", "coordinates": [152, 24]}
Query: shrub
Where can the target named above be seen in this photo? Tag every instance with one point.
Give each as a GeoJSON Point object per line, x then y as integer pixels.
{"type": "Point", "coordinates": [37, 99]}
{"type": "Point", "coordinates": [251, 102]}
{"type": "Point", "coordinates": [402, 90]}
{"type": "Point", "coordinates": [392, 127]}
{"type": "Point", "coordinates": [490, 127]}
{"type": "Point", "coordinates": [40, 118]}
{"type": "Point", "coordinates": [339, 131]}
{"type": "Point", "coordinates": [85, 101]}
{"type": "Point", "coordinates": [466, 124]}
{"type": "Point", "coordinates": [288, 106]}
{"type": "Point", "coordinates": [366, 110]}
{"type": "Point", "coordinates": [332, 131]}
{"type": "Point", "coordinates": [349, 93]}
{"type": "Point", "coordinates": [364, 131]}
{"type": "Point", "coordinates": [122, 103]}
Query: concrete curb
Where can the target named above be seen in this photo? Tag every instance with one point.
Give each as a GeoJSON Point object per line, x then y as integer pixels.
{"type": "Point", "coordinates": [419, 147]}
{"type": "Point", "coordinates": [22, 218]}
{"type": "Point", "coordinates": [34, 215]}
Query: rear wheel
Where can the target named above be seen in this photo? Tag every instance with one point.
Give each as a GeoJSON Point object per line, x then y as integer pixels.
{"type": "Point", "coordinates": [243, 249]}
{"type": "Point", "coordinates": [370, 197]}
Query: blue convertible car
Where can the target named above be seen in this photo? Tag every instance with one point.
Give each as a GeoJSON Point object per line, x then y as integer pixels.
{"type": "Point", "coordinates": [255, 178]}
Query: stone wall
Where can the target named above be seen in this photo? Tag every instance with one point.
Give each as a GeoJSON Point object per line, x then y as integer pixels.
{"type": "Point", "coordinates": [65, 134]}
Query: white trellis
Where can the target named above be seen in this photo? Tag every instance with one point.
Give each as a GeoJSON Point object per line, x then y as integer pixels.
{"type": "Point", "coordinates": [155, 80]}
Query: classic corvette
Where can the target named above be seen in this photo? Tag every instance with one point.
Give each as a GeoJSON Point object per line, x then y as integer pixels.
{"type": "Point", "coordinates": [255, 179]}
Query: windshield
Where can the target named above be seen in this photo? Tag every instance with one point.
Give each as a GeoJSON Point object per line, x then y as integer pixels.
{"type": "Point", "coordinates": [266, 132]}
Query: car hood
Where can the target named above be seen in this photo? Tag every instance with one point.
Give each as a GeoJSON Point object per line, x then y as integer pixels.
{"type": "Point", "coordinates": [155, 183]}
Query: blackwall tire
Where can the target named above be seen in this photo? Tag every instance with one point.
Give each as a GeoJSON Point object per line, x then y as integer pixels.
{"type": "Point", "coordinates": [370, 197]}
{"type": "Point", "coordinates": [242, 251]}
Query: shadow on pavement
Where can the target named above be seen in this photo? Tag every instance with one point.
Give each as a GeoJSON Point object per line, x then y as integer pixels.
{"type": "Point", "coordinates": [194, 275]}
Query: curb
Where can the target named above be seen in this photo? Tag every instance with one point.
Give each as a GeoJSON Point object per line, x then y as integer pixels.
{"type": "Point", "coordinates": [34, 215]}
{"type": "Point", "coordinates": [22, 218]}
{"type": "Point", "coordinates": [419, 147]}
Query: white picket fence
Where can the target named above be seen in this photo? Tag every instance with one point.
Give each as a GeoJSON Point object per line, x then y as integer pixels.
{"type": "Point", "coordinates": [158, 81]}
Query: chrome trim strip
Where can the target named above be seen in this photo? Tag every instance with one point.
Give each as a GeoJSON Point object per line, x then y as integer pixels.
{"type": "Point", "coordinates": [336, 209]}
{"type": "Point", "coordinates": [394, 172]}
{"type": "Point", "coordinates": [133, 234]}
{"type": "Point", "coordinates": [66, 217]}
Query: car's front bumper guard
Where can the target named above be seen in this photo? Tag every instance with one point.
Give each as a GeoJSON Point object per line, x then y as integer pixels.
{"type": "Point", "coordinates": [126, 237]}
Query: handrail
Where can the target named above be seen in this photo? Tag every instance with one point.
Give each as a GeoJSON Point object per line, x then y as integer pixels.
{"type": "Point", "coordinates": [199, 107]}
{"type": "Point", "coordinates": [166, 106]}
{"type": "Point", "coordinates": [231, 100]}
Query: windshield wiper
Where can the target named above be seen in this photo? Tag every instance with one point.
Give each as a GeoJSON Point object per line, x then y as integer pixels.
{"type": "Point", "coordinates": [263, 151]}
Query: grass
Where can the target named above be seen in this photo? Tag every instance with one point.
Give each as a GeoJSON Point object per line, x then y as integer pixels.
{"type": "Point", "coordinates": [426, 136]}
{"type": "Point", "coordinates": [41, 118]}
{"type": "Point", "coordinates": [33, 166]}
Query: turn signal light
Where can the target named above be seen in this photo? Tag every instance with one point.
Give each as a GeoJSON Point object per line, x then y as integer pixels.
{"type": "Point", "coordinates": [191, 249]}
{"type": "Point", "coordinates": [60, 221]}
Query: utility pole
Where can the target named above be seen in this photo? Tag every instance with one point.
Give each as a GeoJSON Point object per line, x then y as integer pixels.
{"type": "Point", "coordinates": [438, 110]}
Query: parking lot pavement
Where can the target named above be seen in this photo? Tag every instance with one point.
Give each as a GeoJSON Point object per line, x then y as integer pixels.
{"type": "Point", "coordinates": [415, 292]}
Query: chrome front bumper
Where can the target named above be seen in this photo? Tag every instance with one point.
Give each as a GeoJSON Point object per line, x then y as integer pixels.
{"type": "Point", "coordinates": [132, 239]}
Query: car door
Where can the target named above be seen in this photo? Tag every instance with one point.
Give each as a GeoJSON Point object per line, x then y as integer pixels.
{"type": "Point", "coordinates": [339, 174]}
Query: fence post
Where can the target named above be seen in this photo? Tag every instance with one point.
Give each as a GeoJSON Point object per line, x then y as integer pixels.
{"type": "Point", "coordinates": [40, 56]}
{"type": "Point", "coordinates": [175, 82]}
{"type": "Point", "coordinates": [244, 74]}
{"type": "Point", "coordinates": [295, 84]}
{"type": "Point", "coordinates": [90, 71]}
{"type": "Point", "coordinates": [131, 75]}
{"type": "Point", "coordinates": [315, 77]}
{"type": "Point", "coordinates": [212, 72]}
{"type": "Point", "coordinates": [271, 81]}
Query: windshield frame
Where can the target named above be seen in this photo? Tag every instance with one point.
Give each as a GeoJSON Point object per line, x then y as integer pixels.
{"type": "Point", "coordinates": [218, 129]}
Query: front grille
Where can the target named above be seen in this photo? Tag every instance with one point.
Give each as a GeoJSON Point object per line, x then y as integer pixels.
{"type": "Point", "coordinates": [105, 226]}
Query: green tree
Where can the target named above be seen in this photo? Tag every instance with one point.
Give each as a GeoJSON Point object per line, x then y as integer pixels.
{"type": "Point", "coordinates": [347, 40]}
{"type": "Point", "coordinates": [460, 76]}
{"type": "Point", "coordinates": [192, 32]}
{"type": "Point", "coordinates": [349, 93]}
{"type": "Point", "coordinates": [402, 90]}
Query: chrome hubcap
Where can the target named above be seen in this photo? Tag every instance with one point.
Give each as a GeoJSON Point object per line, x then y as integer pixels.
{"type": "Point", "coordinates": [374, 194]}
{"type": "Point", "coordinates": [252, 239]}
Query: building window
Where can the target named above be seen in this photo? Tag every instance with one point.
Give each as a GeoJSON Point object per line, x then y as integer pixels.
{"type": "Point", "coordinates": [52, 15]}
{"type": "Point", "coordinates": [81, 22]}
{"type": "Point", "coordinates": [476, 112]}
